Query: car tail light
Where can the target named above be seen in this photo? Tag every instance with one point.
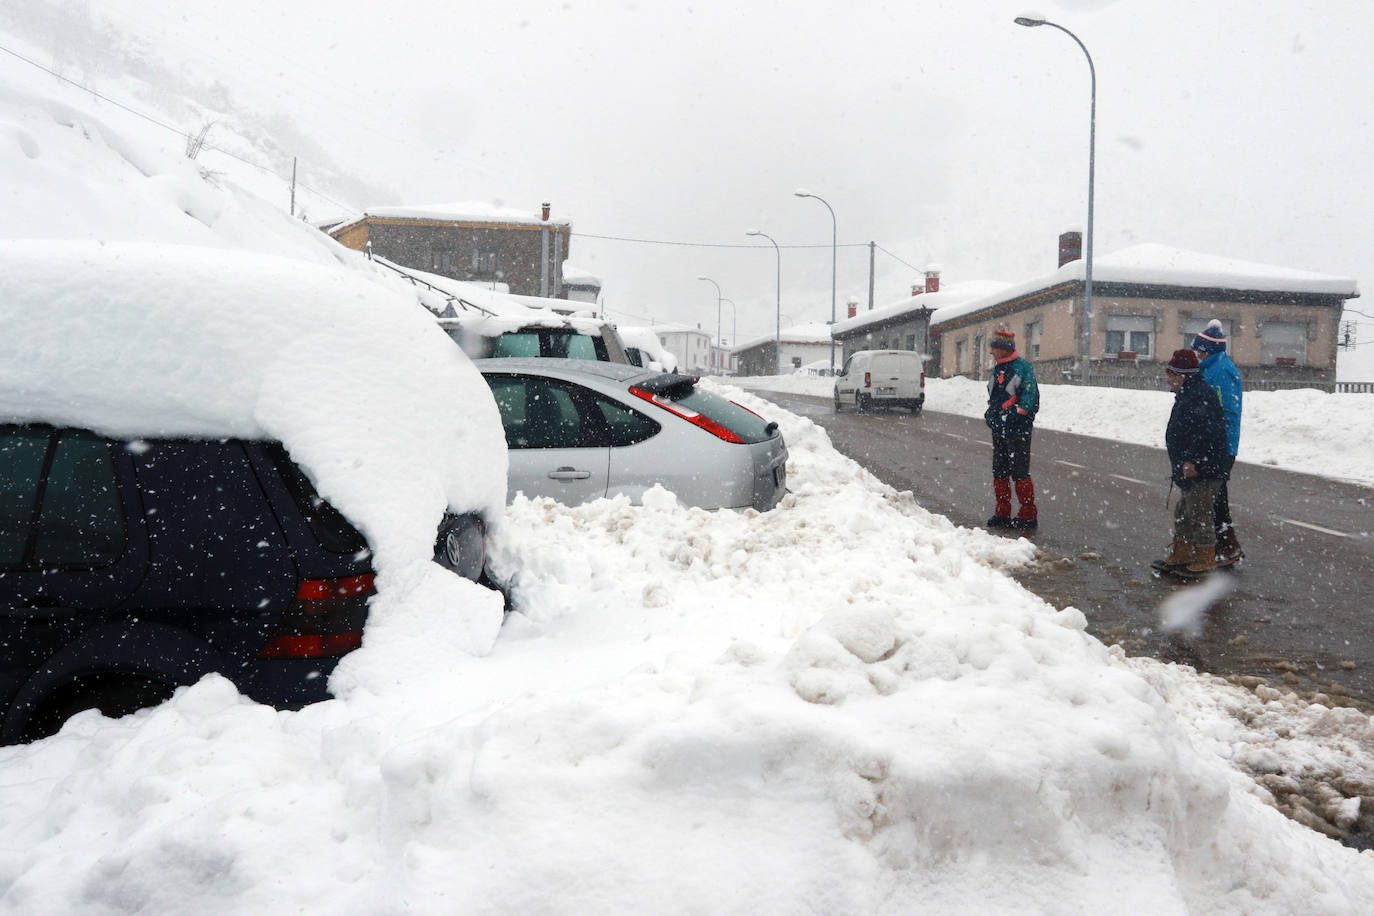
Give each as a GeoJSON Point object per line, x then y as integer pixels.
{"type": "Point", "coordinates": [868, 379]}
{"type": "Point", "coordinates": [686, 413]}
{"type": "Point", "coordinates": [923, 380]}
{"type": "Point", "coordinates": [326, 618]}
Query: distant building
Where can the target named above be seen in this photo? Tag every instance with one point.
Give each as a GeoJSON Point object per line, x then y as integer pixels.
{"type": "Point", "coordinates": [1149, 300]}
{"type": "Point", "coordinates": [801, 344]}
{"type": "Point", "coordinates": [905, 324]}
{"type": "Point", "coordinates": [471, 242]}
{"type": "Point", "coordinates": [693, 347]}
{"type": "Point", "coordinates": [580, 285]}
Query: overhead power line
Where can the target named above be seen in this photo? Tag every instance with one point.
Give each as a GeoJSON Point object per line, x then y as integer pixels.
{"type": "Point", "coordinates": [152, 120]}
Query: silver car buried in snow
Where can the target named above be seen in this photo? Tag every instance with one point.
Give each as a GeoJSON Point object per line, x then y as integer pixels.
{"type": "Point", "coordinates": [579, 430]}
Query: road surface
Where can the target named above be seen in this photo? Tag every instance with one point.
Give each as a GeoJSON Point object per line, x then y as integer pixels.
{"type": "Point", "coordinates": [1300, 612]}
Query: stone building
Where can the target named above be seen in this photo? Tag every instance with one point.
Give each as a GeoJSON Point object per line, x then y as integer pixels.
{"type": "Point", "coordinates": [512, 251]}
{"type": "Point", "coordinates": [1149, 300]}
{"type": "Point", "coordinates": [801, 344]}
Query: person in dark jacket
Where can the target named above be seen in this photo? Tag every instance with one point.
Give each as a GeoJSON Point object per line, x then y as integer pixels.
{"type": "Point", "coordinates": [1196, 442]}
{"type": "Point", "coordinates": [1013, 399]}
{"type": "Point", "coordinates": [1221, 373]}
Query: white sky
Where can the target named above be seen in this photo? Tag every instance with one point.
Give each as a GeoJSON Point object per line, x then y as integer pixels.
{"type": "Point", "coordinates": [941, 130]}
{"type": "Point", "coordinates": [694, 711]}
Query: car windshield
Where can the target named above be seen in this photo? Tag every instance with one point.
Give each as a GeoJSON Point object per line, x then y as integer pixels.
{"type": "Point", "coordinates": [559, 343]}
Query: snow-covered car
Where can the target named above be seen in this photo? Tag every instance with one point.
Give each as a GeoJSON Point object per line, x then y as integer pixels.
{"type": "Point", "coordinates": [208, 460]}
{"type": "Point", "coordinates": [578, 431]}
{"type": "Point", "coordinates": [549, 336]}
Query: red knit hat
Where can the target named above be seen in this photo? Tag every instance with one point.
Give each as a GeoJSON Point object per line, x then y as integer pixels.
{"type": "Point", "coordinates": [1183, 362]}
{"type": "Point", "coordinates": [1003, 339]}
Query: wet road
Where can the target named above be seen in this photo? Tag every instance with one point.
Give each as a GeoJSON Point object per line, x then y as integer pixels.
{"type": "Point", "coordinates": [1300, 612]}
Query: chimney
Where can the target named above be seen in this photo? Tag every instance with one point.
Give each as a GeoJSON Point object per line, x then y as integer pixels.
{"type": "Point", "coordinates": [544, 207]}
{"type": "Point", "coordinates": [932, 281]}
{"type": "Point", "coordinates": [853, 308]}
{"type": "Point", "coordinates": [1070, 247]}
{"type": "Point", "coordinates": [917, 289]}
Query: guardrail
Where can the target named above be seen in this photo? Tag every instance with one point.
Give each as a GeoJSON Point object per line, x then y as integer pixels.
{"type": "Point", "coordinates": [1355, 387]}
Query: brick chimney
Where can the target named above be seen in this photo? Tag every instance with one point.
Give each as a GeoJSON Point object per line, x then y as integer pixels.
{"type": "Point", "coordinates": [932, 281]}
{"type": "Point", "coordinates": [917, 289]}
{"type": "Point", "coordinates": [544, 211]}
{"type": "Point", "coordinates": [1070, 247]}
{"type": "Point", "coordinates": [853, 308]}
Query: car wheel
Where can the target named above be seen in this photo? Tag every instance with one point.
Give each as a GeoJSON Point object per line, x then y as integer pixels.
{"type": "Point", "coordinates": [114, 695]}
{"type": "Point", "coordinates": [839, 405]}
{"type": "Point", "coordinates": [861, 402]}
{"type": "Point", "coordinates": [915, 410]}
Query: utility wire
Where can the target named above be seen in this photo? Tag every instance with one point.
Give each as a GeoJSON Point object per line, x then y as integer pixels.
{"type": "Point", "coordinates": [616, 238]}
{"type": "Point", "coordinates": [152, 120]}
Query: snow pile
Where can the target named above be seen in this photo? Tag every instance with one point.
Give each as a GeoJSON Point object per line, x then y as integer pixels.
{"type": "Point", "coordinates": [841, 705]}
{"type": "Point", "coordinates": [144, 340]}
{"type": "Point", "coordinates": [1305, 430]}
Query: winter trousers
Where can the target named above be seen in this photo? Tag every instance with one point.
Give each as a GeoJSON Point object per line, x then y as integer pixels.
{"type": "Point", "coordinates": [1194, 522]}
{"type": "Point", "coordinates": [1011, 462]}
{"type": "Point", "coordinates": [1221, 506]}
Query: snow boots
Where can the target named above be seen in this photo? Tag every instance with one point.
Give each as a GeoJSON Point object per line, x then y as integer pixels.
{"type": "Point", "coordinates": [1228, 548]}
{"type": "Point", "coordinates": [1028, 517]}
{"type": "Point", "coordinates": [1204, 561]}
{"type": "Point", "coordinates": [1180, 555]}
{"type": "Point", "coordinates": [1001, 516]}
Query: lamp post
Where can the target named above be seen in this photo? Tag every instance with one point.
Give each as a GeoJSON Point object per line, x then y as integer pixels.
{"type": "Point", "coordinates": [717, 286]}
{"type": "Point", "coordinates": [777, 333]}
{"type": "Point", "coordinates": [834, 246]}
{"type": "Point", "coordinates": [734, 332]}
{"type": "Point", "coordinates": [1031, 22]}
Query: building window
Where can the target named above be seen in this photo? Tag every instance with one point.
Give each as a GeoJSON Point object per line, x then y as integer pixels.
{"type": "Point", "coordinates": [1130, 334]}
{"type": "Point", "coordinates": [1033, 329]}
{"type": "Point", "coordinates": [484, 262]}
{"type": "Point", "coordinates": [442, 260]}
{"type": "Point", "coordinates": [911, 341]}
{"type": "Point", "coordinates": [1191, 327]}
{"type": "Point", "coordinates": [1283, 343]}
{"type": "Point", "coordinates": [960, 356]}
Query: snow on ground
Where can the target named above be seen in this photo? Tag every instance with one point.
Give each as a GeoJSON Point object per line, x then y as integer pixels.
{"type": "Point", "coordinates": [844, 705]}
{"type": "Point", "coordinates": [1305, 430]}
{"type": "Point", "coordinates": [708, 712]}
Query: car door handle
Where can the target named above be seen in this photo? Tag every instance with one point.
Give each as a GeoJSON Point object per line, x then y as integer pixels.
{"type": "Point", "coordinates": [566, 473]}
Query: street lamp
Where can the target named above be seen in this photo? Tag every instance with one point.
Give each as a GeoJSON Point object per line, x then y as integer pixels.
{"type": "Point", "coordinates": [717, 286]}
{"type": "Point", "coordinates": [734, 332]}
{"type": "Point", "coordinates": [802, 192]}
{"type": "Point", "coordinates": [777, 339]}
{"type": "Point", "coordinates": [1032, 22]}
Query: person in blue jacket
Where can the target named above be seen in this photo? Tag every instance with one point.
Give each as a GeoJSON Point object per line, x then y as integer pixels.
{"type": "Point", "coordinates": [1013, 399]}
{"type": "Point", "coordinates": [1221, 373]}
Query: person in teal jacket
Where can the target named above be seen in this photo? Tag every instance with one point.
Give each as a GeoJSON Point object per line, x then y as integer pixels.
{"type": "Point", "coordinates": [1221, 373]}
{"type": "Point", "coordinates": [1013, 399]}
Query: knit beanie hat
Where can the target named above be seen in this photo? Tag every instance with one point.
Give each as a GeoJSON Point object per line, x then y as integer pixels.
{"type": "Point", "coordinates": [1211, 339]}
{"type": "Point", "coordinates": [1003, 339]}
{"type": "Point", "coordinates": [1183, 362]}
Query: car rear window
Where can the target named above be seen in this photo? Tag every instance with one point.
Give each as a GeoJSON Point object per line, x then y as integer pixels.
{"type": "Point", "coordinates": [744, 423]}
{"type": "Point", "coordinates": [334, 532]}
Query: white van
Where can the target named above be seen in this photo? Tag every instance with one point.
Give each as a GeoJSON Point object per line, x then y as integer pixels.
{"type": "Point", "coordinates": [876, 378]}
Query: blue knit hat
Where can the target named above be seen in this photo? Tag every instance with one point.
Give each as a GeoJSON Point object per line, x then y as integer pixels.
{"type": "Point", "coordinates": [1211, 339]}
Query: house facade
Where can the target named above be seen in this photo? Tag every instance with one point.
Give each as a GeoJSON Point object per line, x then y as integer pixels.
{"type": "Point", "coordinates": [801, 345]}
{"type": "Point", "coordinates": [695, 350]}
{"type": "Point", "coordinates": [508, 249]}
{"type": "Point", "coordinates": [1149, 300]}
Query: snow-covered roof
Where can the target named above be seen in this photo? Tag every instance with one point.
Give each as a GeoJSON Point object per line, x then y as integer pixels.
{"type": "Point", "coordinates": [954, 294]}
{"type": "Point", "coordinates": [468, 212]}
{"type": "Point", "coordinates": [808, 332]}
{"type": "Point", "coordinates": [576, 276]}
{"type": "Point", "coordinates": [1161, 265]}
